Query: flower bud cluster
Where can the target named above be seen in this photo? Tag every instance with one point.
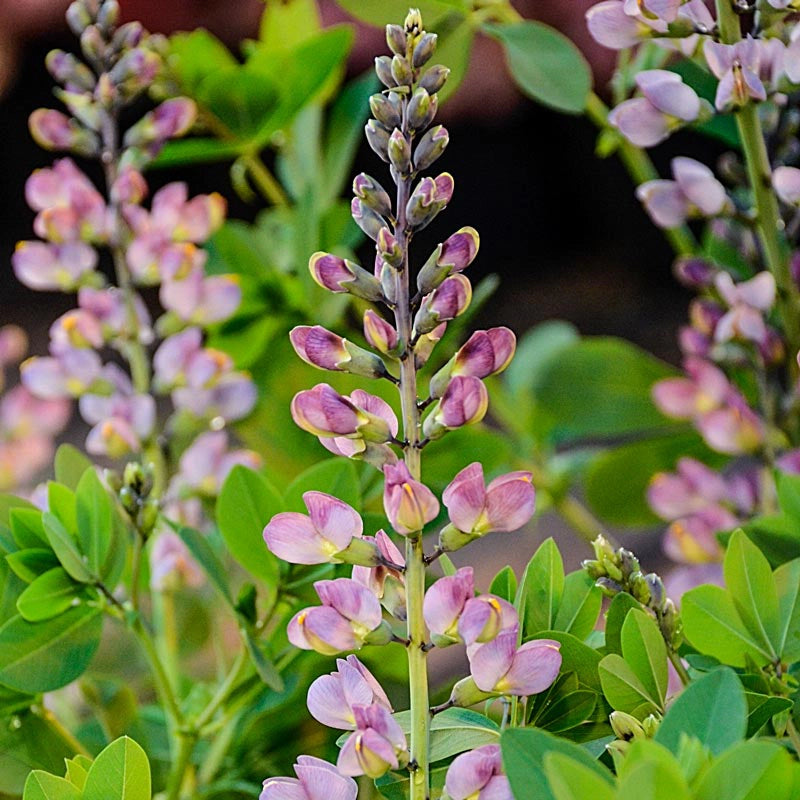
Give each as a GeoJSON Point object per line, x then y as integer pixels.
{"type": "Point", "coordinates": [617, 571]}
{"type": "Point", "coordinates": [159, 246]}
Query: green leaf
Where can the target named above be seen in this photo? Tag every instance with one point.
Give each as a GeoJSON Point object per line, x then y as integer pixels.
{"type": "Point", "coordinates": [43, 656]}
{"type": "Point", "coordinates": [66, 548]}
{"type": "Point", "coordinates": [624, 689]}
{"type": "Point", "coordinates": [713, 709]}
{"type": "Point", "coordinates": [198, 150]}
{"type": "Point", "coordinates": [454, 731]}
{"type": "Point", "coordinates": [264, 666]}
{"type": "Point", "coordinates": [600, 387]}
{"type": "Point", "coordinates": [616, 480]}
{"type": "Point", "coordinates": [76, 772]}
{"type": "Point", "coordinates": [761, 708]}
{"type": "Point", "coordinates": [43, 786]}
{"type": "Point", "coordinates": [69, 465]}
{"type": "Point", "coordinates": [775, 536]}
{"type": "Point", "coordinates": [245, 505]}
{"type": "Point", "coordinates": [568, 711]}
{"type": "Point", "coordinates": [243, 99]}
{"type": "Point", "coordinates": [541, 589]}
{"type": "Point", "coordinates": [576, 657]}
{"type": "Point", "coordinates": [545, 64]}
{"type": "Point", "coordinates": [787, 583]}
{"type": "Point", "coordinates": [524, 751]}
{"type": "Point", "coordinates": [32, 562]}
{"type": "Point", "coordinates": [201, 551]}
{"type": "Point", "coordinates": [750, 771]}
{"type": "Point", "coordinates": [644, 650]}
{"type": "Point", "coordinates": [395, 785]}
{"type": "Point", "coordinates": [195, 55]}
{"type": "Point", "coordinates": [61, 503]}
{"type": "Point", "coordinates": [615, 618]}
{"type": "Point", "coordinates": [94, 514]}
{"type": "Point", "coordinates": [120, 772]}
{"type": "Point", "coordinates": [284, 25]}
{"type": "Point", "coordinates": [712, 624]}
{"type": "Point", "coordinates": [382, 12]}
{"type": "Point", "coordinates": [333, 476]}
{"type": "Point", "coordinates": [48, 596]}
{"type": "Point", "coordinates": [653, 780]}
{"type": "Point", "coordinates": [572, 780]}
{"type": "Point", "coordinates": [11, 587]}
{"type": "Point", "coordinates": [788, 487]}
{"type": "Point", "coordinates": [9, 501]}
{"type": "Point", "coordinates": [27, 528]}
{"type": "Point", "coordinates": [580, 605]}
{"type": "Point", "coordinates": [504, 584]}
{"type": "Point", "coordinates": [749, 581]}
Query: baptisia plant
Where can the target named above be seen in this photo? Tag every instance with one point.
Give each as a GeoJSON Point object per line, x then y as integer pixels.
{"type": "Point", "coordinates": [107, 352]}
{"type": "Point", "coordinates": [385, 602]}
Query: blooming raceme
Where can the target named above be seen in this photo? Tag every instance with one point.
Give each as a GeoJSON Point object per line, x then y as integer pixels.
{"type": "Point", "coordinates": [159, 246]}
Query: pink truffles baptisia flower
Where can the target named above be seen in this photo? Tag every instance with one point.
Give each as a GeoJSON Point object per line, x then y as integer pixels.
{"type": "Point", "coordinates": [316, 780]}
{"type": "Point", "coordinates": [477, 775]}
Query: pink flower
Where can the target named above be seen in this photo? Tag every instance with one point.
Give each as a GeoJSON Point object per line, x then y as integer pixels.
{"type": "Point", "coordinates": [464, 402]}
{"type": "Point", "coordinates": [198, 300]}
{"type": "Point", "coordinates": [693, 539]}
{"type": "Point", "coordinates": [316, 780]}
{"type": "Point", "coordinates": [331, 698]}
{"type": "Point", "coordinates": [500, 667]}
{"type": "Point", "coordinates": [409, 504]}
{"type": "Point", "coordinates": [322, 537]}
{"type": "Point", "coordinates": [323, 349]}
{"type": "Point", "coordinates": [70, 374]}
{"type": "Point", "coordinates": [704, 389]}
{"type": "Point", "coordinates": [54, 267]}
{"type": "Point", "coordinates": [348, 615]}
{"type": "Point", "coordinates": [611, 25]}
{"type": "Point", "coordinates": [447, 301]}
{"type": "Point", "coordinates": [379, 333]}
{"type": "Point", "coordinates": [747, 302]}
{"type": "Point", "coordinates": [386, 583]}
{"type": "Point", "coordinates": [172, 565]}
{"type": "Point", "coordinates": [377, 745]}
{"type": "Point", "coordinates": [695, 192]}
{"type": "Point", "coordinates": [506, 504]}
{"type": "Point", "coordinates": [428, 198]}
{"type": "Point", "coordinates": [455, 254]}
{"type": "Point", "coordinates": [691, 489]}
{"type": "Point", "coordinates": [478, 775]}
{"type": "Point", "coordinates": [737, 66]}
{"type": "Point", "coordinates": [338, 275]}
{"type": "Point", "coordinates": [231, 396]}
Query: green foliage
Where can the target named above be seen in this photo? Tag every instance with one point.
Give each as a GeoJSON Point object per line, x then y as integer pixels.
{"type": "Point", "coordinates": [545, 64]}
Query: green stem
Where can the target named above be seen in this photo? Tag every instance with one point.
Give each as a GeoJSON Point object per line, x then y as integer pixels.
{"type": "Point", "coordinates": [769, 224]}
{"type": "Point", "coordinates": [641, 169]}
{"type": "Point", "coordinates": [177, 775]}
{"type": "Point", "coordinates": [266, 182]}
{"type": "Point", "coordinates": [415, 556]}
{"type": "Point", "coordinates": [794, 736]}
{"type": "Point", "coordinates": [55, 725]}
{"type": "Point", "coordinates": [226, 688]}
{"type": "Point", "coordinates": [679, 668]}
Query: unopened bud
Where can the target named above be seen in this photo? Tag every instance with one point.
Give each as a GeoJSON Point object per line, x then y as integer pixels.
{"type": "Point", "coordinates": [368, 220]}
{"type": "Point", "coordinates": [413, 22]}
{"type": "Point", "coordinates": [626, 726]}
{"type": "Point", "coordinates": [399, 152]}
{"type": "Point", "coordinates": [434, 78]}
{"type": "Point", "coordinates": [338, 275]}
{"type": "Point", "coordinates": [429, 197]}
{"type": "Point", "coordinates": [380, 334]}
{"type": "Point", "coordinates": [53, 130]}
{"type": "Point", "coordinates": [657, 591]}
{"type": "Point", "coordinates": [464, 402]}
{"type": "Point", "coordinates": [650, 725]}
{"type": "Point", "coordinates": [67, 69]}
{"type": "Point", "coordinates": [83, 107]}
{"type": "Point", "coordinates": [594, 569]}
{"type": "Point", "coordinates": [430, 147]}
{"type": "Point", "coordinates": [446, 302]}
{"type": "Point", "coordinates": [424, 50]}
{"type": "Point", "coordinates": [108, 17]}
{"type": "Point", "coordinates": [453, 255]}
{"type": "Point", "coordinates": [377, 138]}
{"type": "Point", "coordinates": [466, 693]}
{"type": "Point", "coordinates": [387, 109]}
{"type": "Point", "coordinates": [92, 43]}
{"type": "Point", "coordinates": [452, 539]}
{"type": "Point", "coordinates": [383, 69]}
{"type": "Point", "coordinates": [128, 36]}
{"type": "Point", "coordinates": [627, 561]}
{"type": "Point", "coordinates": [396, 39]}
{"type": "Point", "coordinates": [389, 248]}
{"type": "Point", "coordinates": [639, 588]}
{"type": "Point", "coordinates": [421, 110]}
{"type": "Point", "coordinates": [372, 194]}
{"type": "Point", "coordinates": [78, 17]}
{"type": "Point", "coordinates": [602, 548]}
{"type": "Point", "coordinates": [609, 587]}
{"type": "Point", "coordinates": [426, 343]}
{"type": "Point", "coordinates": [401, 71]}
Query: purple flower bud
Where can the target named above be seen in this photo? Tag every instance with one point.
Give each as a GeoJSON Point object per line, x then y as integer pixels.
{"type": "Point", "coordinates": [506, 504]}
{"type": "Point", "coordinates": [478, 774]}
{"type": "Point", "coordinates": [130, 187]}
{"type": "Point", "coordinates": [319, 347]}
{"type": "Point", "coordinates": [135, 71]}
{"type": "Point", "coordinates": [368, 220]}
{"type": "Point", "coordinates": [331, 697]}
{"type": "Point", "coordinates": [434, 78]}
{"type": "Point", "coordinates": [409, 504]}
{"type": "Point", "coordinates": [447, 301]}
{"type": "Point", "coordinates": [171, 119]}
{"type": "Point", "coordinates": [383, 69]}
{"type": "Point", "coordinates": [453, 255]}
{"type": "Point", "coordinates": [69, 375]}
{"type": "Point", "coordinates": [401, 71]}
{"type": "Point", "coordinates": [380, 334]}
{"type": "Point", "coordinates": [747, 301]}
{"type": "Point", "coordinates": [444, 602]}
{"type": "Point", "coordinates": [319, 538]}
{"type": "Point", "coordinates": [422, 109]}
{"type": "Point", "coordinates": [370, 192]}
{"type": "Point", "coordinates": [387, 110]}
{"type": "Point", "coordinates": [338, 275]}
{"type": "Point", "coordinates": [53, 130]}
{"type": "Point", "coordinates": [426, 343]}
{"type": "Point", "coordinates": [396, 39]}
{"type": "Point", "coordinates": [349, 613]}
{"type": "Point", "coordinates": [324, 412]}
{"type": "Point", "coordinates": [68, 70]}
{"type": "Point", "coordinates": [694, 273]}
{"type": "Point", "coordinates": [377, 745]}
{"type": "Point", "coordinates": [78, 17]}
{"type": "Point", "coordinates": [464, 402]}
{"type": "Point", "coordinates": [429, 197]}
{"type": "Point", "coordinates": [75, 329]}
{"type": "Point", "coordinates": [377, 138]}
{"type": "Point", "coordinates": [46, 267]}
{"type": "Point", "coordinates": [386, 583]}
{"type": "Point", "coordinates": [399, 151]}
{"type": "Point", "coordinates": [316, 780]}
{"type": "Point", "coordinates": [737, 66]}
{"type": "Point", "coordinates": [430, 147]}
{"type": "Point", "coordinates": [500, 667]}
{"type": "Point", "coordinates": [172, 565]}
